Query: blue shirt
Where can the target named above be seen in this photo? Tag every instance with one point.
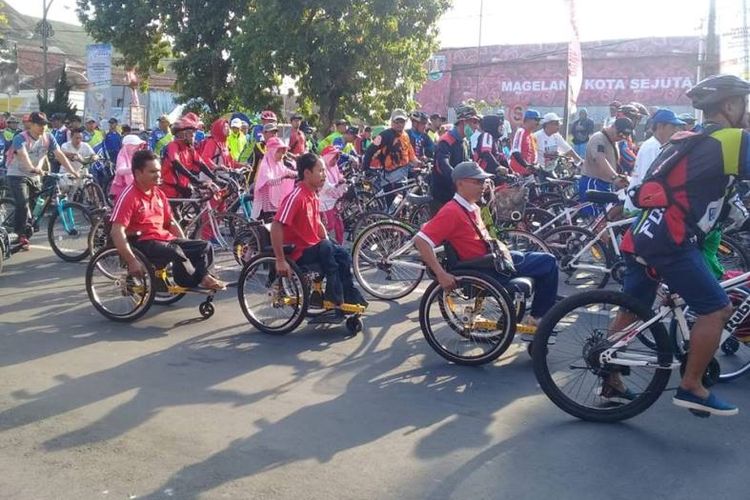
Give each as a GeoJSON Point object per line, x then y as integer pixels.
{"type": "Point", "coordinates": [112, 144]}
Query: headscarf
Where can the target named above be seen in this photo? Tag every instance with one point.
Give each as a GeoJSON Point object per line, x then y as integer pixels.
{"type": "Point", "coordinates": [123, 166]}
{"type": "Point", "coordinates": [331, 190]}
{"type": "Point", "coordinates": [270, 187]}
{"type": "Point", "coordinates": [215, 151]}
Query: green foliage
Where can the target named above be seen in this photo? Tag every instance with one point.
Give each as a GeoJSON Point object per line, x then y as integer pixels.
{"type": "Point", "coordinates": [60, 103]}
{"type": "Point", "coordinates": [354, 59]}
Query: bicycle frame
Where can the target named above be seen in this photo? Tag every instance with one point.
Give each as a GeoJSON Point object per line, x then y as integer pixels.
{"type": "Point", "coordinates": [609, 230]}
{"type": "Point", "coordinates": [672, 304]}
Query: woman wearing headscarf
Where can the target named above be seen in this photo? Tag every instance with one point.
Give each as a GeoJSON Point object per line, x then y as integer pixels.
{"type": "Point", "coordinates": [274, 180]}
{"type": "Point", "coordinates": [123, 172]}
{"type": "Point", "coordinates": [487, 152]}
{"type": "Point", "coordinates": [214, 150]}
{"type": "Point", "coordinates": [333, 189]}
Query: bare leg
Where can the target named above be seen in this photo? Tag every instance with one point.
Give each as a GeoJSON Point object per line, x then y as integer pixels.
{"type": "Point", "coordinates": [704, 340]}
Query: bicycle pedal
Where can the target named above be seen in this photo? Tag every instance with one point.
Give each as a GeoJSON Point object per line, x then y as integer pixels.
{"type": "Point", "coordinates": [521, 328]}
{"type": "Point", "coordinates": [699, 413]}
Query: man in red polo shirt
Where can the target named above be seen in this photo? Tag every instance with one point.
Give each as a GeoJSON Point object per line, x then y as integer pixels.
{"type": "Point", "coordinates": [459, 223]}
{"type": "Point", "coordinates": [182, 165]}
{"type": "Point", "coordinates": [298, 223]}
{"type": "Point", "coordinates": [523, 151]}
{"type": "Point", "coordinates": [143, 209]}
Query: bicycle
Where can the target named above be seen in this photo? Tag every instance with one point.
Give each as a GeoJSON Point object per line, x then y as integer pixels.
{"type": "Point", "coordinates": [642, 353]}
{"type": "Point", "coordinates": [69, 224]}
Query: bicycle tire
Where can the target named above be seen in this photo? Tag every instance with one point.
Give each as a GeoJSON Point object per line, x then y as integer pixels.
{"type": "Point", "coordinates": [420, 214]}
{"type": "Point", "coordinates": [367, 219]}
{"type": "Point", "coordinates": [561, 245]}
{"type": "Point", "coordinates": [731, 252]}
{"type": "Point", "coordinates": [7, 213]}
{"type": "Point", "coordinates": [532, 242]}
{"type": "Point", "coordinates": [70, 255]}
{"type": "Point", "coordinates": [92, 195]}
{"type": "Point", "coordinates": [434, 292]}
{"type": "Point", "coordinates": [388, 292]}
{"type": "Point", "coordinates": [540, 350]}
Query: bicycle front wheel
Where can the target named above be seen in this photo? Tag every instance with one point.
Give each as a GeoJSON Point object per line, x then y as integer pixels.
{"type": "Point", "coordinates": [378, 272]}
{"type": "Point", "coordinates": [585, 266]}
{"type": "Point", "coordinates": [7, 213]}
{"type": "Point", "coordinates": [68, 231]}
{"type": "Point", "coordinates": [568, 365]}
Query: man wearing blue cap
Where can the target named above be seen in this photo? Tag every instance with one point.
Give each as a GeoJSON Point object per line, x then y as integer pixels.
{"type": "Point", "coordinates": [524, 149]}
{"type": "Point", "coordinates": [664, 124]}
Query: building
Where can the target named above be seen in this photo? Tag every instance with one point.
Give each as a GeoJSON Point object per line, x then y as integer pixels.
{"type": "Point", "coordinates": [67, 48]}
{"type": "Point", "coordinates": [652, 71]}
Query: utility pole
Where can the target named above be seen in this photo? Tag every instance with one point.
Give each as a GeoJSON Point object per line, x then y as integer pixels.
{"type": "Point", "coordinates": [479, 47]}
{"type": "Point", "coordinates": [45, 30]}
{"type": "Point", "coordinates": [711, 61]}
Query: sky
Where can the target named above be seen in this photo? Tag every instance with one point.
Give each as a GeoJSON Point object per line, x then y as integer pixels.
{"type": "Point", "coordinates": [523, 21]}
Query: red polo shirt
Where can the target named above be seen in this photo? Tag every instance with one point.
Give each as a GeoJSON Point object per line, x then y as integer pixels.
{"type": "Point", "coordinates": [453, 224]}
{"type": "Point", "coordinates": [300, 214]}
{"type": "Point", "coordinates": [148, 214]}
{"type": "Point", "coordinates": [173, 183]}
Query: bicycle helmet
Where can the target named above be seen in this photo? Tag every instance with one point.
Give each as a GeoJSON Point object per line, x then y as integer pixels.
{"type": "Point", "coordinates": [419, 116]}
{"type": "Point", "coordinates": [187, 122]}
{"type": "Point", "coordinates": [688, 118]}
{"type": "Point", "coordinates": [624, 126]}
{"type": "Point", "coordinates": [465, 113]}
{"type": "Point", "coordinates": [268, 115]}
{"type": "Point", "coordinates": [716, 88]}
{"type": "Point", "coordinates": [629, 111]}
{"type": "Point", "coordinates": [642, 110]}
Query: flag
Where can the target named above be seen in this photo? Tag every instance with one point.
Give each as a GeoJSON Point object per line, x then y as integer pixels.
{"type": "Point", "coordinates": [575, 61]}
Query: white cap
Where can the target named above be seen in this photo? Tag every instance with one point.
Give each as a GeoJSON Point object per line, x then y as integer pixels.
{"type": "Point", "coordinates": [550, 117]}
{"type": "Point", "coordinates": [131, 140]}
{"type": "Point", "coordinates": [236, 122]}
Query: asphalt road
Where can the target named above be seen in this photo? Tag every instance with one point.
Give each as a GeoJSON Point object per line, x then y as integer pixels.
{"type": "Point", "coordinates": [174, 407]}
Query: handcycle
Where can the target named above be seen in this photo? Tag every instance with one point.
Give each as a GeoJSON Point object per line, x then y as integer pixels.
{"type": "Point", "coordinates": [587, 351]}
{"type": "Point", "coordinates": [388, 267]}
{"type": "Point", "coordinates": [120, 296]}
{"type": "Point", "coordinates": [474, 323]}
{"type": "Point", "coordinates": [69, 223]}
{"type": "Point", "coordinates": [278, 305]}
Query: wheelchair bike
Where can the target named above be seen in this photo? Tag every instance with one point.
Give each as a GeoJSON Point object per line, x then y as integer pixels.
{"type": "Point", "coordinates": [120, 296]}
{"type": "Point", "coordinates": [476, 322]}
{"type": "Point", "coordinates": [278, 305]}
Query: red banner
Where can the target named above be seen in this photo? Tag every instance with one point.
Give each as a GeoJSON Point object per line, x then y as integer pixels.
{"type": "Point", "coordinates": [654, 71]}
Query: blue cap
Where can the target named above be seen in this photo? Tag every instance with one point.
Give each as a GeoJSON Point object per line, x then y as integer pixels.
{"type": "Point", "coordinates": [666, 116]}
{"type": "Point", "coordinates": [532, 114]}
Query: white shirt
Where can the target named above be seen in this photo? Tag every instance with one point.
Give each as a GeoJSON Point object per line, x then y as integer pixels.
{"type": "Point", "coordinates": [647, 153]}
{"type": "Point", "coordinates": [550, 145]}
{"type": "Point", "coordinates": [83, 149]}
{"type": "Point", "coordinates": [474, 140]}
{"type": "Point", "coordinates": [507, 131]}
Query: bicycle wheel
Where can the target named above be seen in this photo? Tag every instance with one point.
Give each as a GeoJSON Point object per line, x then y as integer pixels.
{"type": "Point", "coordinates": [570, 370]}
{"type": "Point", "coordinates": [98, 236]}
{"type": "Point", "coordinates": [420, 214]}
{"type": "Point", "coordinates": [272, 305]}
{"type": "Point", "coordinates": [92, 196]}
{"type": "Point", "coordinates": [248, 243]}
{"type": "Point", "coordinates": [367, 219]}
{"type": "Point", "coordinates": [522, 241]}
{"type": "Point", "coordinates": [114, 293]}
{"type": "Point", "coordinates": [535, 218]}
{"type": "Point", "coordinates": [68, 231]}
{"type": "Point", "coordinates": [567, 243]}
{"type": "Point", "coordinates": [473, 324]}
{"type": "Point", "coordinates": [377, 273]}
{"type": "Point", "coordinates": [226, 266]}
{"type": "Point", "coordinates": [7, 213]}
{"type": "Point", "coordinates": [732, 256]}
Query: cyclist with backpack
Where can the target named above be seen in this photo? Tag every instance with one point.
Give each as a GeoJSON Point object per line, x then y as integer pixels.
{"type": "Point", "coordinates": [684, 195]}
{"type": "Point", "coordinates": [452, 148]}
{"type": "Point", "coordinates": [392, 151]}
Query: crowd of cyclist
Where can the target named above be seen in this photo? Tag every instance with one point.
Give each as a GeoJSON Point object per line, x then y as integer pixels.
{"type": "Point", "coordinates": [296, 182]}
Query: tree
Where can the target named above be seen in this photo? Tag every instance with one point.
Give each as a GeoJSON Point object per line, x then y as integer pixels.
{"type": "Point", "coordinates": [351, 58]}
{"type": "Point", "coordinates": [60, 103]}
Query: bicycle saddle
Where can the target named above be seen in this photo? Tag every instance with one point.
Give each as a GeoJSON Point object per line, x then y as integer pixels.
{"type": "Point", "coordinates": [601, 197]}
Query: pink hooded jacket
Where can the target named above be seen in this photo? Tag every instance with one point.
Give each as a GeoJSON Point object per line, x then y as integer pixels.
{"type": "Point", "coordinates": [272, 184]}
{"type": "Point", "coordinates": [123, 171]}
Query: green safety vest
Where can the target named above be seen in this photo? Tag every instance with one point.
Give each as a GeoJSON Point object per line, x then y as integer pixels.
{"type": "Point", "coordinates": [162, 143]}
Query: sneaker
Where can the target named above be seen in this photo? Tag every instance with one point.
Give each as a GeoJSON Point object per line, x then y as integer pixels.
{"type": "Point", "coordinates": [614, 395]}
{"type": "Point", "coordinates": [23, 243]}
{"type": "Point", "coordinates": [712, 404]}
